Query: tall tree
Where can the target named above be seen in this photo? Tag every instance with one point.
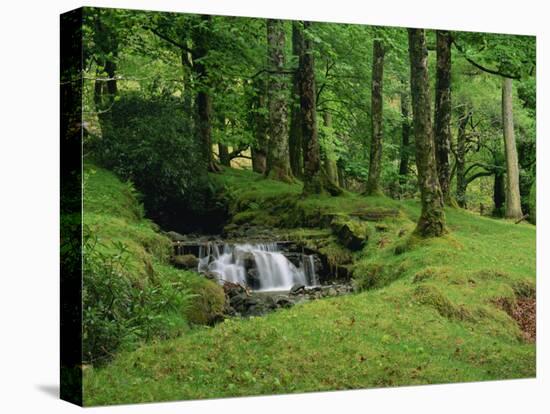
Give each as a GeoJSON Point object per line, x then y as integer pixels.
{"type": "Point", "coordinates": [432, 217]}
{"type": "Point", "coordinates": [315, 179]}
{"type": "Point", "coordinates": [405, 135]}
{"type": "Point", "coordinates": [375, 165]}
{"type": "Point", "coordinates": [201, 35]}
{"type": "Point", "coordinates": [513, 201]}
{"type": "Point", "coordinates": [295, 138]}
{"type": "Point", "coordinates": [443, 113]}
{"type": "Point", "coordinates": [259, 125]}
{"type": "Point", "coordinates": [278, 161]}
{"type": "Point", "coordinates": [330, 164]}
{"type": "Point", "coordinates": [461, 182]}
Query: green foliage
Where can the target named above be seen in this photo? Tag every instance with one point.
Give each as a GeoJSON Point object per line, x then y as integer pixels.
{"type": "Point", "coordinates": [139, 140]}
{"type": "Point", "coordinates": [117, 312]}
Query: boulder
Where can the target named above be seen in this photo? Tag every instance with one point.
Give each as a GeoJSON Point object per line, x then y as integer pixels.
{"type": "Point", "coordinates": [283, 301]}
{"type": "Point", "coordinates": [351, 233]}
{"type": "Point", "coordinates": [174, 236]}
{"type": "Point", "coordinates": [297, 289]}
{"type": "Point", "coordinates": [186, 261]}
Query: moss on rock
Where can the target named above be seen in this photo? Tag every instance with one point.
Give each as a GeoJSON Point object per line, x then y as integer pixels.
{"type": "Point", "coordinates": [351, 233]}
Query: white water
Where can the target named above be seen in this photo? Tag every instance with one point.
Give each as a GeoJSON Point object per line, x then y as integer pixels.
{"type": "Point", "coordinates": [275, 271]}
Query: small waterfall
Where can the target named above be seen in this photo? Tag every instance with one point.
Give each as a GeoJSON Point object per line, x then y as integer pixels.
{"type": "Point", "coordinates": [259, 266]}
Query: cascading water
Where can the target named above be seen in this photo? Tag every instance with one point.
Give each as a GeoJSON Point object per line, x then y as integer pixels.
{"type": "Point", "coordinates": [259, 266]}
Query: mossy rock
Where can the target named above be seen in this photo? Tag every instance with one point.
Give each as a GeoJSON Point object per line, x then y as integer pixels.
{"type": "Point", "coordinates": [430, 295]}
{"type": "Point", "coordinates": [353, 234]}
{"type": "Point", "coordinates": [186, 261]}
{"type": "Point", "coordinates": [208, 305]}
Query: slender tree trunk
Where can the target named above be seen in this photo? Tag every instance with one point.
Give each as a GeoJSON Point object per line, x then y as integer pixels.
{"type": "Point", "coordinates": [295, 138]}
{"type": "Point", "coordinates": [443, 113]}
{"type": "Point", "coordinates": [203, 100]}
{"type": "Point", "coordinates": [405, 137]}
{"type": "Point", "coordinates": [259, 126]}
{"type": "Point", "coordinates": [461, 182]}
{"type": "Point", "coordinates": [278, 159]}
{"type": "Point", "coordinates": [513, 200]}
{"type": "Point", "coordinates": [330, 165]}
{"type": "Point", "coordinates": [315, 180]}
{"type": "Point", "coordinates": [499, 194]}
{"type": "Point", "coordinates": [432, 217]}
{"type": "Point", "coordinates": [341, 177]}
{"type": "Point", "coordinates": [375, 165]}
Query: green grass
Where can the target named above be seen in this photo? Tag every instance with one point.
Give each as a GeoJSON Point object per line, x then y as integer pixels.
{"type": "Point", "coordinates": [426, 316]}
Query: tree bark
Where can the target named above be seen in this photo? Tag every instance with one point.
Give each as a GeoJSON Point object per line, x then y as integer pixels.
{"type": "Point", "coordinates": [499, 194]}
{"type": "Point", "coordinates": [375, 164]}
{"type": "Point", "coordinates": [461, 182]}
{"type": "Point", "coordinates": [295, 138]}
{"type": "Point", "coordinates": [278, 160]}
{"type": "Point", "coordinates": [432, 217]}
{"type": "Point", "coordinates": [224, 155]}
{"type": "Point", "coordinates": [405, 137]}
{"type": "Point", "coordinates": [513, 200]}
{"type": "Point", "coordinates": [443, 113]}
{"type": "Point", "coordinates": [315, 180]}
{"type": "Point", "coordinates": [259, 149]}
{"type": "Point", "coordinates": [330, 164]}
{"type": "Point", "coordinates": [201, 34]}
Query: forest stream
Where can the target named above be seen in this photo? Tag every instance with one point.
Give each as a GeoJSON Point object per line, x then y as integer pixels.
{"type": "Point", "coordinates": [259, 276]}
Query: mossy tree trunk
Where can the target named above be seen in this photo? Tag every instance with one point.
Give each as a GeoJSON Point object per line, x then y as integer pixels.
{"type": "Point", "coordinates": [375, 159]}
{"type": "Point", "coordinates": [295, 138]}
{"type": "Point", "coordinates": [432, 217]}
{"type": "Point", "coordinates": [315, 180]}
{"type": "Point", "coordinates": [278, 160]}
{"type": "Point", "coordinates": [201, 36]}
{"type": "Point", "coordinates": [443, 113]}
{"type": "Point", "coordinates": [405, 136]}
{"type": "Point", "coordinates": [513, 201]}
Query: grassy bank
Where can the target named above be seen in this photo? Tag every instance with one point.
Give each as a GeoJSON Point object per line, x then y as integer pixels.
{"type": "Point", "coordinates": [428, 312]}
{"type": "Point", "coordinates": [131, 292]}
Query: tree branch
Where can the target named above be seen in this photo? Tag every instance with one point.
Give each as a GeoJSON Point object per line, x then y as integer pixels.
{"type": "Point", "coordinates": [481, 67]}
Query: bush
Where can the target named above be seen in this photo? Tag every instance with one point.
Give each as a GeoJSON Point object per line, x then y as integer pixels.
{"type": "Point", "coordinates": [151, 142]}
{"type": "Point", "coordinates": [117, 312]}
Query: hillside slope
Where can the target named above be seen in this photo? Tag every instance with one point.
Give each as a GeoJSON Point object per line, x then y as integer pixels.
{"type": "Point", "coordinates": [434, 311]}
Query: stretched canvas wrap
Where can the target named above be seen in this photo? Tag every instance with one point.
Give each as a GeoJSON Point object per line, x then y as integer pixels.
{"type": "Point", "coordinates": [256, 206]}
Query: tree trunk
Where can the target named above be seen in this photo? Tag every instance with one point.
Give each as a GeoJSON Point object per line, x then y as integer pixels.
{"type": "Point", "coordinates": [432, 217]}
{"type": "Point", "coordinates": [259, 149]}
{"type": "Point", "coordinates": [201, 35]}
{"type": "Point", "coordinates": [224, 155]}
{"type": "Point", "coordinates": [513, 201]}
{"type": "Point", "coordinates": [443, 113]}
{"type": "Point", "coordinates": [315, 180]}
{"type": "Point", "coordinates": [499, 194]}
{"type": "Point", "coordinates": [330, 165]}
{"type": "Point", "coordinates": [405, 137]}
{"type": "Point", "coordinates": [461, 182]}
{"type": "Point", "coordinates": [278, 160]}
{"type": "Point", "coordinates": [375, 164]}
{"type": "Point", "coordinates": [295, 138]}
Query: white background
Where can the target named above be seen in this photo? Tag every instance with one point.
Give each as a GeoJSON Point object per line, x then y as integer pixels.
{"type": "Point", "coordinates": [29, 192]}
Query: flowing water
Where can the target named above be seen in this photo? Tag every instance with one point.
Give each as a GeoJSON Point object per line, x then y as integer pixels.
{"type": "Point", "coordinates": [259, 266]}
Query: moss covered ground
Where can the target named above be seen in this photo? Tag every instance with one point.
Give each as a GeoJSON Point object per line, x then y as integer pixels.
{"type": "Point", "coordinates": [425, 311]}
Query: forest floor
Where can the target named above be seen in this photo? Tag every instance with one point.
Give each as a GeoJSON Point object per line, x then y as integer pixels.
{"type": "Point", "coordinates": [453, 309]}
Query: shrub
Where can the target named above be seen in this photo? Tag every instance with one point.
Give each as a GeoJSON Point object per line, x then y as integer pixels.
{"type": "Point", "coordinates": [116, 311]}
{"type": "Point", "coordinates": [151, 142]}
